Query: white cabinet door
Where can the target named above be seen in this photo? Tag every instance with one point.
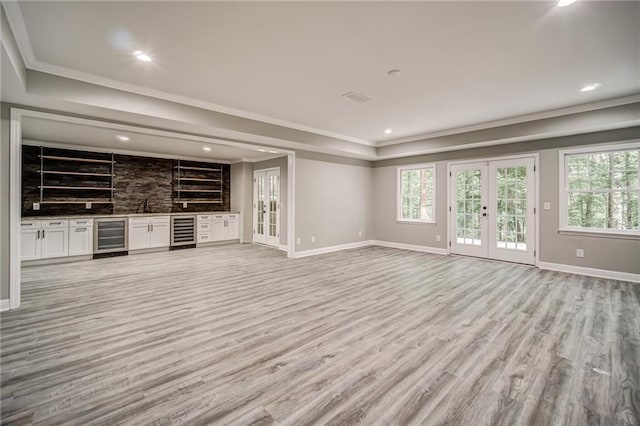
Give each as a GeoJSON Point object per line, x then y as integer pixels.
{"type": "Point", "coordinates": [55, 242]}
{"type": "Point", "coordinates": [218, 229]}
{"type": "Point", "coordinates": [139, 234]}
{"type": "Point", "coordinates": [80, 240]}
{"type": "Point", "coordinates": [160, 235]}
{"type": "Point", "coordinates": [30, 243]}
{"type": "Point", "coordinates": [231, 230]}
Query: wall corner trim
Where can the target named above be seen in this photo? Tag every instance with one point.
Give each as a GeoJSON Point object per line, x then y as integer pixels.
{"type": "Point", "coordinates": [592, 272]}
{"type": "Point", "coordinates": [4, 305]}
{"type": "Point", "coordinates": [412, 247]}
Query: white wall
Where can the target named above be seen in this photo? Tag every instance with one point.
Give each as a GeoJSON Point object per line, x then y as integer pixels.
{"type": "Point", "coordinates": [333, 201]}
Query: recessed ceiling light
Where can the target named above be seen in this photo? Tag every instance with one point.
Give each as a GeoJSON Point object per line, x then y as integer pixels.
{"type": "Point", "coordinates": [393, 73]}
{"type": "Point", "coordinates": [262, 150]}
{"type": "Point", "coordinates": [563, 3]}
{"type": "Point", "coordinates": [142, 56]}
{"type": "Point", "coordinates": [590, 87]}
{"type": "Point", "coordinates": [272, 152]}
{"type": "Point", "coordinates": [122, 138]}
{"type": "Point", "coordinates": [388, 131]}
{"type": "Point", "coordinates": [206, 148]}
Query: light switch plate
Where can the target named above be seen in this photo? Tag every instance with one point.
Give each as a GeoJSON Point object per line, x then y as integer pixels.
{"type": "Point", "coordinates": [547, 206]}
{"type": "Point", "coordinates": [36, 206]}
{"type": "Point", "coordinates": [579, 252]}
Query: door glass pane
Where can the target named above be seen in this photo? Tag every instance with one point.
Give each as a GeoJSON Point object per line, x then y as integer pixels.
{"type": "Point", "coordinates": [511, 202]}
{"type": "Point", "coordinates": [273, 200]}
{"type": "Point", "coordinates": [261, 205]}
{"type": "Point", "coordinates": [468, 207]}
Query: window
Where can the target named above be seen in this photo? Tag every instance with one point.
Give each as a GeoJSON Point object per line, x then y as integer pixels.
{"type": "Point", "coordinates": [416, 193]}
{"type": "Point", "coordinates": [601, 189]}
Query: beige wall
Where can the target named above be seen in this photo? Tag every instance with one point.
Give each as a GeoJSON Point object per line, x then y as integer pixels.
{"type": "Point", "coordinates": [601, 253]}
{"type": "Point", "coordinates": [281, 162]}
{"type": "Point", "coordinates": [333, 201]}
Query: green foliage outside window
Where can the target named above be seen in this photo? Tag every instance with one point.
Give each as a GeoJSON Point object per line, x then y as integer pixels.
{"type": "Point", "coordinates": [417, 194]}
{"type": "Point", "coordinates": [603, 190]}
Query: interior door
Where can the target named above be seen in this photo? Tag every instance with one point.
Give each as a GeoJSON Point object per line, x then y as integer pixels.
{"type": "Point", "coordinates": [493, 209]}
{"type": "Point", "coordinates": [266, 207]}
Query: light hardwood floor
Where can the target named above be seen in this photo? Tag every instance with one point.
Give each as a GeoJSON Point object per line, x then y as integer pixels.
{"type": "Point", "coordinates": [242, 335]}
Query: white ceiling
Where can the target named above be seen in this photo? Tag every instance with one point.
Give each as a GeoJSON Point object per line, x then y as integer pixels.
{"type": "Point", "coordinates": [140, 143]}
{"type": "Point", "coordinates": [461, 63]}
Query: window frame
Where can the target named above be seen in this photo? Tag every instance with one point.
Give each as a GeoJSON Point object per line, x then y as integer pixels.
{"type": "Point", "coordinates": [563, 199]}
{"type": "Point", "coordinates": [418, 166]}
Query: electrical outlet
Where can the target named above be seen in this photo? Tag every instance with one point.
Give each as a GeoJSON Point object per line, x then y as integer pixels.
{"type": "Point", "coordinates": [87, 205]}
{"type": "Point", "coordinates": [547, 205]}
{"type": "Point", "coordinates": [359, 233]}
{"type": "Point", "coordinates": [313, 239]}
{"type": "Point", "coordinates": [184, 205]}
{"type": "Point", "coordinates": [437, 237]}
{"type": "Point", "coordinates": [36, 206]}
{"type": "Point", "coordinates": [579, 252]}
{"type": "Point", "coordinates": [298, 241]}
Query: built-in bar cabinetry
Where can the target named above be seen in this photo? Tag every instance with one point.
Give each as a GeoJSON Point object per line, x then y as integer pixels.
{"type": "Point", "coordinates": [77, 236]}
{"type": "Point", "coordinates": [149, 232]}
{"type": "Point", "coordinates": [217, 227]}
{"type": "Point", "coordinates": [80, 237]}
{"type": "Point", "coordinates": [44, 239]}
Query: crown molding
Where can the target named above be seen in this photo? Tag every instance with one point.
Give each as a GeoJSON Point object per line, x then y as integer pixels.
{"type": "Point", "coordinates": [591, 106]}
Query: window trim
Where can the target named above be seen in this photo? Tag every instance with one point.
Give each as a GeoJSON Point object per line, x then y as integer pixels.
{"type": "Point", "coordinates": [563, 201]}
{"type": "Point", "coordinates": [399, 218]}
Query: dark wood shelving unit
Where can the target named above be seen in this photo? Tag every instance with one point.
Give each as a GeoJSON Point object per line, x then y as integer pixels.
{"type": "Point", "coordinates": [193, 183]}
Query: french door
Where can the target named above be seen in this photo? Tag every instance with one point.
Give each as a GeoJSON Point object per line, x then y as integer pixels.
{"type": "Point", "coordinates": [493, 209]}
{"type": "Point", "coordinates": [266, 207]}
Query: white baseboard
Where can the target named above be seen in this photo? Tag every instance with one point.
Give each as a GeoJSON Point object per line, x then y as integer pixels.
{"type": "Point", "coordinates": [284, 247]}
{"type": "Point", "coordinates": [4, 305]}
{"type": "Point", "coordinates": [600, 273]}
{"type": "Point", "coordinates": [412, 247]}
{"type": "Point", "coordinates": [331, 249]}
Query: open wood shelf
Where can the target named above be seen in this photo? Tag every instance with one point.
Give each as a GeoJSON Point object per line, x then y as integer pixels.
{"type": "Point", "coordinates": [83, 160]}
{"type": "Point", "coordinates": [92, 188]}
{"type": "Point", "coordinates": [60, 172]}
{"type": "Point", "coordinates": [198, 200]}
{"type": "Point", "coordinates": [77, 201]}
{"type": "Point", "coordinates": [207, 169]}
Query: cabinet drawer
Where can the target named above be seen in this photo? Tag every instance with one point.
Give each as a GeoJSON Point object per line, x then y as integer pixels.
{"type": "Point", "coordinates": [81, 222]}
{"type": "Point", "coordinates": [34, 224]}
{"type": "Point", "coordinates": [204, 226]}
{"type": "Point", "coordinates": [204, 217]}
{"type": "Point", "coordinates": [138, 221]}
{"type": "Point", "coordinates": [160, 220]}
{"type": "Point", "coordinates": [204, 237]}
{"type": "Point", "coordinates": [55, 224]}
{"type": "Point", "coordinates": [232, 217]}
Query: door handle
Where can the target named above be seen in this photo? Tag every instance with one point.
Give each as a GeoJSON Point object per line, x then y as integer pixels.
{"type": "Point", "coordinates": [43, 233]}
{"type": "Point", "coordinates": [81, 229]}
{"type": "Point", "coordinates": [151, 227]}
{"type": "Point", "coordinates": [38, 237]}
{"type": "Point", "coordinates": [484, 215]}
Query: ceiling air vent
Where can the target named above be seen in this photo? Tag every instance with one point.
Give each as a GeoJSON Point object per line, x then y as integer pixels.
{"type": "Point", "coordinates": [355, 96]}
